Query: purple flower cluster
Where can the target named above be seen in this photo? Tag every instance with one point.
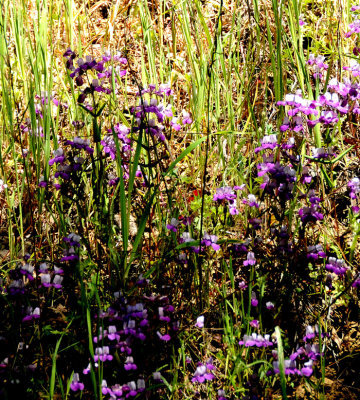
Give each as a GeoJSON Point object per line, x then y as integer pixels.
{"type": "Point", "coordinates": [97, 74]}
{"type": "Point", "coordinates": [154, 115]}
{"type": "Point", "coordinates": [354, 192]}
{"type": "Point", "coordinates": [336, 266]}
{"type": "Point", "coordinates": [312, 213]}
{"type": "Point", "coordinates": [46, 275]}
{"type": "Point", "coordinates": [68, 165]}
{"type": "Point", "coordinates": [228, 194]}
{"type": "Point", "coordinates": [315, 252]}
{"type": "Point", "coordinates": [73, 241]}
{"type": "Point", "coordinates": [256, 340]}
{"type": "Point", "coordinates": [318, 64]}
{"type": "Point", "coordinates": [204, 372]}
{"type": "Point", "coordinates": [109, 145]}
{"type": "Point", "coordinates": [268, 142]}
{"type": "Point", "coordinates": [31, 314]}
{"type": "Point", "coordinates": [278, 180]}
{"type": "Point", "coordinates": [129, 326]}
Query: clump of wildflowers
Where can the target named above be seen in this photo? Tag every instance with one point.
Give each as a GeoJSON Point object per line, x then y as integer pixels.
{"type": "Point", "coordinates": [204, 372]}
{"type": "Point", "coordinates": [256, 340]}
{"type": "Point", "coordinates": [228, 194]}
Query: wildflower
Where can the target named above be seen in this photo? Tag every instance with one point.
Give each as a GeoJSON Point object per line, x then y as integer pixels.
{"type": "Point", "coordinates": [251, 201]}
{"type": "Point", "coordinates": [221, 394]}
{"type": "Point", "coordinates": [289, 365]}
{"type": "Point", "coordinates": [104, 388]}
{"type": "Point", "coordinates": [203, 372]}
{"type": "Point", "coordinates": [315, 252]}
{"type": "Point", "coordinates": [356, 283]}
{"type": "Point", "coordinates": [173, 225]}
{"type": "Point", "coordinates": [76, 384]}
{"type": "Point", "coordinates": [79, 144]}
{"type": "Point", "coordinates": [254, 300]}
{"type": "Point", "coordinates": [200, 321]}
{"type": "Point", "coordinates": [27, 270]}
{"type": "Point", "coordinates": [310, 332]}
{"type": "Point", "coordinates": [186, 118]}
{"type": "Point", "coordinates": [250, 259]}
{"type": "Point", "coordinates": [32, 314]}
{"type": "Point", "coordinates": [267, 142]}
{"type": "Point", "coordinates": [102, 354]}
{"type": "Point", "coordinates": [59, 157]}
{"type": "Point", "coordinates": [242, 285]}
{"type": "Point", "coordinates": [307, 215]}
{"type": "Point", "coordinates": [57, 281]}
{"type": "Point", "coordinates": [354, 187]}
{"type": "Point", "coordinates": [165, 337]}
{"type": "Point", "coordinates": [307, 369]}
{"type": "Point", "coordinates": [157, 376]}
{"type": "Point", "coordinates": [254, 323]}
{"type": "Point", "coordinates": [210, 240]}
{"type": "Point", "coordinates": [256, 340]}
{"type": "Point", "coordinates": [163, 317]}
{"type": "Point", "coordinates": [129, 364]}
{"type": "Point", "coordinates": [270, 305]}
{"type": "Point", "coordinates": [42, 182]}
{"type": "Point", "coordinates": [69, 255]}
{"type": "Point", "coordinates": [72, 239]}
{"type": "Point", "coordinates": [336, 266]}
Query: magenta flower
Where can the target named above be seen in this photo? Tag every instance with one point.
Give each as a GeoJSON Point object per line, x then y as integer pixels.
{"type": "Point", "coordinates": [200, 321]}
{"type": "Point", "coordinates": [32, 314]}
{"type": "Point", "coordinates": [76, 384]}
{"type": "Point", "coordinates": [165, 337]}
{"type": "Point", "coordinates": [203, 372]}
{"type": "Point", "coordinates": [172, 226]}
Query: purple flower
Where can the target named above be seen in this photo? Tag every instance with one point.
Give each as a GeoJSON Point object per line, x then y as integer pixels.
{"type": "Point", "coordinates": [102, 354]}
{"type": "Point", "coordinates": [254, 300]}
{"type": "Point", "coordinates": [172, 226]}
{"type": "Point", "coordinates": [186, 118]}
{"type": "Point", "coordinates": [27, 270]}
{"type": "Point", "coordinates": [42, 182]}
{"type": "Point", "coordinates": [76, 384]}
{"type": "Point", "coordinates": [354, 187]}
{"type": "Point", "coordinates": [32, 314]}
{"type": "Point", "coordinates": [251, 201]}
{"type": "Point", "coordinates": [200, 321]}
{"type": "Point", "coordinates": [210, 240]}
{"type": "Point", "coordinates": [58, 157]}
{"type": "Point", "coordinates": [129, 364]}
{"type": "Point", "coordinates": [254, 323]}
{"type": "Point", "coordinates": [256, 340]}
{"type": "Point", "coordinates": [157, 376]}
{"type": "Point", "coordinates": [310, 332]}
{"type": "Point", "coordinates": [336, 266]}
{"type": "Point", "coordinates": [356, 283]}
{"type": "Point", "coordinates": [203, 372]}
{"type": "Point", "coordinates": [242, 285]}
{"type": "Point", "coordinates": [267, 142]}
{"type": "Point", "coordinates": [315, 252]}
{"type": "Point", "coordinates": [250, 259]}
{"type": "Point", "coordinates": [165, 337]}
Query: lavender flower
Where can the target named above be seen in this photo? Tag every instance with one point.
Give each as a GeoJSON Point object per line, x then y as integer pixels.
{"type": "Point", "coordinates": [336, 266]}
{"type": "Point", "coordinates": [204, 372]}
{"type": "Point", "coordinates": [172, 226]}
{"type": "Point", "coordinates": [76, 384]}
{"type": "Point", "coordinates": [256, 340]}
{"type": "Point", "coordinates": [32, 314]}
{"type": "Point", "coordinates": [250, 259]}
{"type": "Point", "coordinates": [200, 321]}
